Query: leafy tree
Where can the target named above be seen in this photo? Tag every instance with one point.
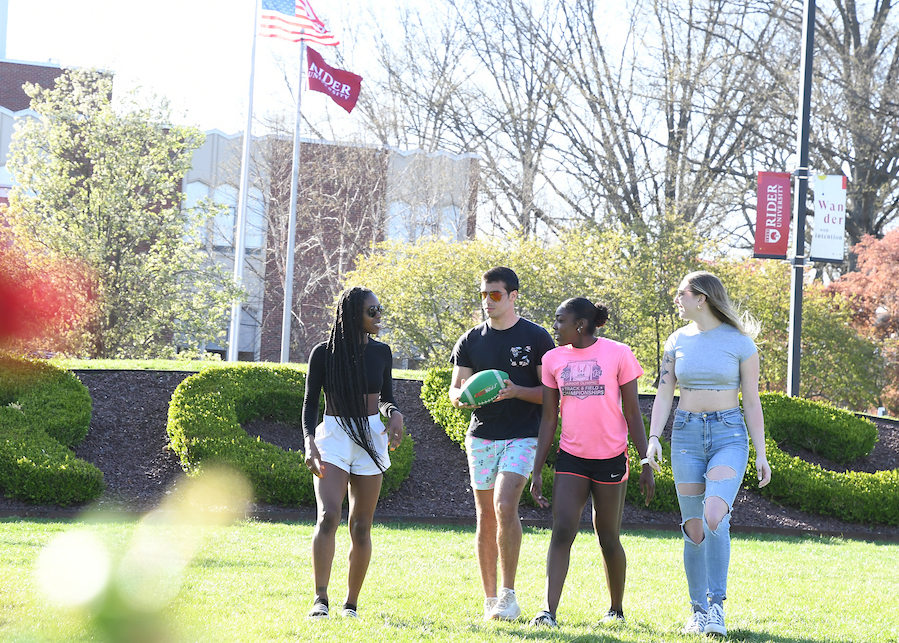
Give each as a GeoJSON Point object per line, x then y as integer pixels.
{"type": "Point", "coordinates": [429, 290]}
{"type": "Point", "coordinates": [875, 303]}
{"type": "Point", "coordinates": [838, 364]}
{"type": "Point", "coordinates": [102, 185]}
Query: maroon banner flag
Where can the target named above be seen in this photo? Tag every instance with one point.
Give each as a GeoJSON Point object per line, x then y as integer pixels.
{"type": "Point", "coordinates": [772, 215]}
{"type": "Point", "coordinates": [342, 86]}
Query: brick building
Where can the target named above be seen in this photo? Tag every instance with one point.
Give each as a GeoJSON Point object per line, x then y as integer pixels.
{"type": "Point", "coordinates": [350, 197]}
{"type": "Point", "coordinates": [15, 104]}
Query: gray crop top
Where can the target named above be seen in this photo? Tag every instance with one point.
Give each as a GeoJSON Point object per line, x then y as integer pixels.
{"type": "Point", "coordinates": [710, 359]}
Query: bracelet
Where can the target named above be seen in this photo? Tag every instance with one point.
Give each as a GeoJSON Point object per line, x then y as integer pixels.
{"type": "Point", "coordinates": [657, 437]}
{"type": "Point", "coordinates": [644, 462]}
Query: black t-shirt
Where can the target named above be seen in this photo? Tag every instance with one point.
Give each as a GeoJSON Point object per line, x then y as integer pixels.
{"type": "Point", "coordinates": [518, 351]}
{"type": "Point", "coordinates": [377, 361]}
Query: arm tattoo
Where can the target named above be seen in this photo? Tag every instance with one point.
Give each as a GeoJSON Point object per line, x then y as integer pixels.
{"type": "Point", "coordinates": [666, 359]}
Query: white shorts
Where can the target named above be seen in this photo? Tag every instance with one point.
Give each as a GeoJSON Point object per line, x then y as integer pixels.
{"type": "Point", "coordinates": [336, 447]}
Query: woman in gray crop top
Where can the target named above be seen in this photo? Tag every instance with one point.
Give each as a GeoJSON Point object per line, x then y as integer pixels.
{"type": "Point", "coordinates": [712, 360]}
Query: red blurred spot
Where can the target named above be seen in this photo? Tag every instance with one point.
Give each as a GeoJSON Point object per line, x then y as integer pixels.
{"type": "Point", "coordinates": [40, 298]}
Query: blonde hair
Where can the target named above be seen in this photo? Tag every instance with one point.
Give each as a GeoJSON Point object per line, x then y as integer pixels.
{"type": "Point", "coordinates": [705, 283]}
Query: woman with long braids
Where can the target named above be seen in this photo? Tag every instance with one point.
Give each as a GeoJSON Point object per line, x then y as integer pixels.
{"type": "Point", "coordinates": [348, 450]}
{"type": "Point", "coordinates": [712, 360]}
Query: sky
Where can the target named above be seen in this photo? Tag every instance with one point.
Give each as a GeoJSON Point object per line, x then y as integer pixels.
{"type": "Point", "coordinates": [195, 53]}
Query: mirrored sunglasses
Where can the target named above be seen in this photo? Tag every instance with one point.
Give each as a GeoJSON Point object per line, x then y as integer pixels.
{"type": "Point", "coordinates": [495, 295]}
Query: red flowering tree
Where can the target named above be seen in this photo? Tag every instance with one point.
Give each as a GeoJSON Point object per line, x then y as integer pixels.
{"type": "Point", "coordinates": [873, 289]}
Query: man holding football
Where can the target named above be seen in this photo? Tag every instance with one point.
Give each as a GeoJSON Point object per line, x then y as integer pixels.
{"type": "Point", "coordinates": [502, 437]}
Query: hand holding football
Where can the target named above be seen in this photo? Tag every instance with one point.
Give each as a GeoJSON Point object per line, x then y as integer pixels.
{"type": "Point", "coordinates": [483, 387]}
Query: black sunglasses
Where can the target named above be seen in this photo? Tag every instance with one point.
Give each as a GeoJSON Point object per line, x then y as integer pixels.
{"type": "Point", "coordinates": [375, 310]}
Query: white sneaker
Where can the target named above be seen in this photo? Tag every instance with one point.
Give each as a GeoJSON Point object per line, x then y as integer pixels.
{"type": "Point", "coordinates": [506, 608]}
{"type": "Point", "coordinates": [489, 604]}
{"type": "Point", "coordinates": [544, 619]}
{"type": "Point", "coordinates": [696, 623]}
{"type": "Point", "coordinates": [319, 610]}
{"type": "Point", "coordinates": [612, 619]}
{"type": "Point", "coordinates": [714, 623]}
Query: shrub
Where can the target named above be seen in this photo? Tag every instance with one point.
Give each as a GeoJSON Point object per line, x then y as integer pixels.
{"type": "Point", "coordinates": [434, 395]}
{"type": "Point", "coordinates": [45, 412]}
{"type": "Point", "coordinates": [832, 433]}
{"type": "Point", "coordinates": [207, 410]}
{"type": "Point", "coordinates": [852, 496]}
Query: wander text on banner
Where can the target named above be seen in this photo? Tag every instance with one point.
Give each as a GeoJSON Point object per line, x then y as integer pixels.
{"type": "Point", "coordinates": [830, 219]}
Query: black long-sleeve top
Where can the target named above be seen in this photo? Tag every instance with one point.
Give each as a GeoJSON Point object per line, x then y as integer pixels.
{"type": "Point", "coordinates": [378, 363]}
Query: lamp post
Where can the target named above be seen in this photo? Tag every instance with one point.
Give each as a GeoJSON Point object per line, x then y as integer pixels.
{"type": "Point", "coordinates": [800, 178]}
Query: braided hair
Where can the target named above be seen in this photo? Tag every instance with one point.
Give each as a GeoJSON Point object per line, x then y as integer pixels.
{"type": "Point", "coordinates": [345, 380]}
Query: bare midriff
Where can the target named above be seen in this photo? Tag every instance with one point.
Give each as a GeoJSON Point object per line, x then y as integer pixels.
{"type": "Point", "coordinates": [700, 400]}
{"type": "Point", "coordinates": [371, 403]}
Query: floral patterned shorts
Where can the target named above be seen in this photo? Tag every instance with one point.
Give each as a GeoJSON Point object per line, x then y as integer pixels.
{"type": "Point", "coordinates": [486, 458]}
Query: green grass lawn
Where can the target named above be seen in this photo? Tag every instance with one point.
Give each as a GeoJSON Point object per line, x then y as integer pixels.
{"type": "Point", "coordinates": [252, 582]}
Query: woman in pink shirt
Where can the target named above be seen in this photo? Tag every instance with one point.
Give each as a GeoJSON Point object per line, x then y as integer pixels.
{"type": "Point", "coordinates": [595, 380]}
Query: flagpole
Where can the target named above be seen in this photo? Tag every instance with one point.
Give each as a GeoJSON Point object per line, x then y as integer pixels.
{"type": "Point", "coordinates": [292, 224]}
{"type": "Point", "coordinates": [241, 223]}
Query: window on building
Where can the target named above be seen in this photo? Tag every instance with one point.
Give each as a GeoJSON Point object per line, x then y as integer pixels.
{"type": "Point", "coordinates": [409, 223]}
{"type": "Point", "coordinates": [223, 222]}
{"type": "Point", "coordinates": [255, 220]}
{"type": "Point", "coordinates": [195, 192]}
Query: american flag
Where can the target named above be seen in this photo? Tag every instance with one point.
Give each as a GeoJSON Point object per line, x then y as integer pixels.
{"type": "Point", "coordinates": [293, 20]}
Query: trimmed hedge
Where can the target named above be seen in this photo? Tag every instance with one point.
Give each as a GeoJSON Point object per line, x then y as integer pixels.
{"type": "Point", "coordinates": [434, 395]}
{"type": "Point", "coordinates": [204, 421]}
{"type": "Point", "coordinates": [835, 434]}
{"type": "Point", "coordinates": [832, 433]}
{"type": "Point", "coordinates": [854, 496]}
{"type": "Point", "coordinates": [44, 412]}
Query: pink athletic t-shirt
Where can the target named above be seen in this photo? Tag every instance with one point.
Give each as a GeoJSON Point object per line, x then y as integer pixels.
{"type": "Point", "coordinates": [589, 381]}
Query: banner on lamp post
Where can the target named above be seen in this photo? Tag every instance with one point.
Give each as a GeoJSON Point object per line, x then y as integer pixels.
{"type": "Point", "coordinates": [829, 235]}
{"type": "Point", "coordinates": [772, 215]}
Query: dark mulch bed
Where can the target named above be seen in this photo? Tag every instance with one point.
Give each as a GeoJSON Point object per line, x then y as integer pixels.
{"type": "Point", "coordinates": [128, 442]}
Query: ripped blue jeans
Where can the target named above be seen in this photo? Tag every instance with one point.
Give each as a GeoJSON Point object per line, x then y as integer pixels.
{"type": "Point", "coordinates": [699, 443]}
